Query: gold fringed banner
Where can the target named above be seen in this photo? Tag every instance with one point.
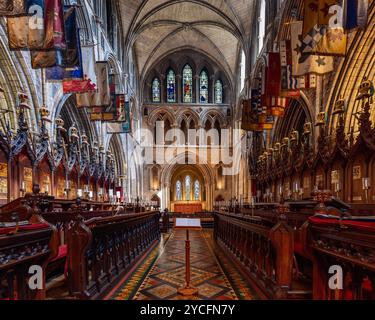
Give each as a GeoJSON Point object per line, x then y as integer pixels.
{"type": "Point", "coordinates": [11, 8]}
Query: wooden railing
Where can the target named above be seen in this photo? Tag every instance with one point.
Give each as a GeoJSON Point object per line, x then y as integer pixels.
{"type": "Point", "coordinates": [100, 250]}
{"type": "Point", "coordinates": [265, 254]}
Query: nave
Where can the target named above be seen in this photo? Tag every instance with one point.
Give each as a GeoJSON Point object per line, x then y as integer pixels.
{"type": "Point", "coordinates": [163, 272]}
{"type": "Point", "coordinates": [120, 117]}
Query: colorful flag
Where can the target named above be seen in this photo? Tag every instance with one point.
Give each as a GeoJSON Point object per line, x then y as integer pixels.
{"type": "Point", "coordinates": [42, 29]}
{"type": "Point", "coordinates": [123, 117]}
{"type": "Point", "coordinates": [302, 65]}
{"type": "Point", "coordinates": [27, 32]}
{"type": "Point", "coordinates": [273, 71]}
{"type": "Point", "coordinates": [356, 14]}
{"type": "Point", "coordinates": [54, 25]}
{"type": "Point", "coordinates": [70, 66]}
{"type": "Point", "coordinates": [78, 86]}
{"type": "Point", "coordinates": [46, 59]}
{"type": "Point", "coordinates": [323, 28]}
{"type": "Point", "coordinates": [102, 96]}
{"type": "Point", "coordinates": [12, 8]}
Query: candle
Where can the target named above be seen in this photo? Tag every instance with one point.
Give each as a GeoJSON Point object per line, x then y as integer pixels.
{"type": "Point", "coordinates": [46, 187]}
{"type": "Point", "coordinates": [23, 185]}
{"type": "Point", "coordinates": [79, 192]}
{"type": "Point", "coordinates": [91, 194]}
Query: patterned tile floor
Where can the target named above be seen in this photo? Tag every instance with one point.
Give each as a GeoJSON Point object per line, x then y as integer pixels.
{"type": "Point", "coordinates": [162, 271]}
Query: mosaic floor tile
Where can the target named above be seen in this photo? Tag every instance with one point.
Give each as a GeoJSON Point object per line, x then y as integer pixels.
{"type": "Point", "coordinates": [162, 272]}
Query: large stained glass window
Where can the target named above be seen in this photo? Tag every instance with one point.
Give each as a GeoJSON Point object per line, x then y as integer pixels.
{"type": "Point", "coordinates": [178, 191]}
{"type": "Point", "coordinates": [218, 91]}
{"type": "Point", "coordinates": [156, 90]}
{"type": "Point", "coordinates": [187, 84]}
{"type": "Point", "coordinates": [171, 86]}
{"type": "Point", "coordinates": [203, 87]}
{"type": "Point", "coordinates": [197, 190]}
{"type": "Point", "coordinates": [187, 188]}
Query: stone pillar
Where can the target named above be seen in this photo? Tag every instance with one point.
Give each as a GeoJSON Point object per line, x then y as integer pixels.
{"type": "Point", "coordinates": [196, 94]}
{"type": "Point", "coordinates": [163, 89]}
{"type": "Point", "coordinates": [179, 89]}
{"type": "Point", "coordinates": [211, 90]}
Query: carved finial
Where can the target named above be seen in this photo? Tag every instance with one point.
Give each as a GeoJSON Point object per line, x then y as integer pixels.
{"type": "Point", "coordinates": [322, 196]}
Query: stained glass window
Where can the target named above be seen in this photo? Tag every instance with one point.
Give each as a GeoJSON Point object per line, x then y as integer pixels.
{"type": "Point", "coordinates": [188, 188]}
{"type": "Point", "coordinates": [203, 87]}
{"type": "Point", "coordinates": [171, 86]}
{"type": "Point", "coordinates": [197, 188]}
{"type": "Point", "coordinates": [187, 84]}
{"type": "Point", "coordinates": [218, 91]}
{"type": "Point", "coordinates": [156, 90]}
{"type": "Point", "coordinates": [178, 191]}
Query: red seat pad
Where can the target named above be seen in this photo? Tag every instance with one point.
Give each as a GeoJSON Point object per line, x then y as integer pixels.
{"type": "Point", "coordinates": [298, 248]}
{"type": "Point", "coordinates": [33, 226]}
{"type": "Point", "coordinates": [63, 250]}
{"type": "Point", "coordinates": [368, 226]}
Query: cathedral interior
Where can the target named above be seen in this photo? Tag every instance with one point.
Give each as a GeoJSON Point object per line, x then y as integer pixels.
{"type": "Point", "coordinates": [121, 120]}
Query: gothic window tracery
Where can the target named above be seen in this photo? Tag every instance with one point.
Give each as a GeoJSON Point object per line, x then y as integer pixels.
{"type": "Point", "coordinates": [178, 191]}
{"type": "Point", "coordinates": [171, 86]}
{"type": "Point", "coordinates": [187, 84]}
{"type": "Point", "coordinates": [218, 91]}
{"type": "Point", "coordinates": [203, 87]}
{"type": "Point", "coordinates": [156, 90]}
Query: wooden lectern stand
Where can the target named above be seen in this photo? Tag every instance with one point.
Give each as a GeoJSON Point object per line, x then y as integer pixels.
{"type": "Point", "coordinates": [187, 224]}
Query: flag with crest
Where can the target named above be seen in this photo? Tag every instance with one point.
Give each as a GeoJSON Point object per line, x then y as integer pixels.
{"type": "Point", "coordinates": [323, 28]}
{"type": "Point", "coordinates": [306, 64]}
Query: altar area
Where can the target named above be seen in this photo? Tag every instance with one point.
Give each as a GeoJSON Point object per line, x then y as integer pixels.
{"type": "Point", "coordinates": [187, 207]}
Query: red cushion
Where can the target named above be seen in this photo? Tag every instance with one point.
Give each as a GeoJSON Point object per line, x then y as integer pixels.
{"type": "Point", "coordinates": [369, 226]}
{"type": "Point", "coordinates": [63, 249]}
{"type": "Point", "coordinates": [33, 226]}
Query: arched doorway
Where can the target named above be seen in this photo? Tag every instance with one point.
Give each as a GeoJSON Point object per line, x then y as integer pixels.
{"type": "Point", "coordinates": [188, 189]}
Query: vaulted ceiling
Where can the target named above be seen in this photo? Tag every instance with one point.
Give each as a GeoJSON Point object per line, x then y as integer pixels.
{"type": "Point", "coordinates": [155, 28]}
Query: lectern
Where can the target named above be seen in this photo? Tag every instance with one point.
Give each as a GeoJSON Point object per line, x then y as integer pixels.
{"type": "Point", "coordinates": [187, 224]}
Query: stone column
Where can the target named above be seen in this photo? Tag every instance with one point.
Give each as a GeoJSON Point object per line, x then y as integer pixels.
{"type": "Point", "coordinates": [163, 89]}
{"type": "Point", "coordinates": [196, 94]}
{"type": "Point", "coordinates": [211, 90]}
{"type": "Point", "coordinates": [179, 88]}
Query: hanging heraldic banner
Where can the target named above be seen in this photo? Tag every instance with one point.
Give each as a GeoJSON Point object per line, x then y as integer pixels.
{"type": "Point", "coordinates": [11, 8]}
{"type": "Point", "coordinates": [41, 29]}
{"type": "Point", "coordinates": [123, 117]}
{"type": "Point", "coordinates": [100, 98]}
{"type": "Point", "coordinates": [69, 61]}
{"type": "Point", "coordinates": [323, 28]}
{"type": "Point", "coordinates": [306, 64]}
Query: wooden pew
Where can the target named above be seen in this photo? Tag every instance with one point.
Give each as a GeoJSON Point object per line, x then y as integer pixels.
{"type": "Point", "coordinates": [101, 250]}
{"type": "Point", "coordinates": [348, 243]}
{"type": "Point", "coordinates": [26, 239]}
{"type": "Point", "coordinates": [264, 254]}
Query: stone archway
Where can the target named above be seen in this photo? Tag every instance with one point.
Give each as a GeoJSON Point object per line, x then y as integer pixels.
{"type": "Point", "coordinates": [167, 175]}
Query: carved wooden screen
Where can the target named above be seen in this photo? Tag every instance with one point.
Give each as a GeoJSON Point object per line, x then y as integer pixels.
{"type": "Point", "coordinates": [306, 184]}
{"type": "Point", "coordinates": [73, 181]}
{"type": "Point", "coordinates": [320, 179]}
{"type": "Point", "coordinates": [3, 179]}
{"type": "Point", "coordinates": [336, 179]}
{"type": "Point", "coordinates": [25, 173]}
{"type": "Point", "coordinates": [357, 174]}
{"type": "Point", "coordinates": [60, 182]}
{"type": "Point", "coordinates": [44, 173]}
{"type": "Point", "coordinates": [372, 180]}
